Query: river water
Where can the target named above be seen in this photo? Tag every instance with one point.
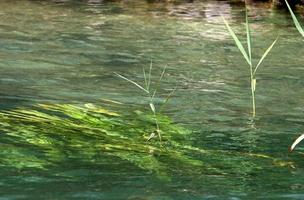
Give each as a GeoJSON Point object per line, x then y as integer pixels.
{"type": "Point", "coordinates": [68, 51]}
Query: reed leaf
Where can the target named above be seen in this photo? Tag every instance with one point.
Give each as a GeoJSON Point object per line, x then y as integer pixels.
{"type": "Point", "coordinates": [264, 55]}
{"type": "Point", "coordinates": [167, 99]}
{"type": "Point", "coordinates": [134, 83]}
{"type": "Point", "coordinates": [248, 37]}
{"type": "Point", "coordinates": [152, 107]}
{"type": "Point", "coordinates": [295, 20]}
{"type": "Point", "coordinates": [110, 101]}
{"type": "Point", "coordinates": [145, 77]}
{"type": "Point", "coordinates": [296, 142]}
{"type": "Point", "coordinates": [237, 41]}
{"type": "Point", "coordinates": [159, 81]}
{"type": "Point", "coordinates": [149, 77]}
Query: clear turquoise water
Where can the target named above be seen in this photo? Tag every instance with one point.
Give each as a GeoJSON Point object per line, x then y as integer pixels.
{"type": "Point", "coordinates": [67, 52]}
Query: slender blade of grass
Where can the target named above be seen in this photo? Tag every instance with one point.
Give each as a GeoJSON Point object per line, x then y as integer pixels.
{"type": "Point", "coordinates": [134, 83]}
{"type": "Point", "coordinates": [158, 82]}
{"type": "Point", "coordinates": [149, 77]}
{"type": "Point", "coordinates": [264, 55]}
{"type": "Point", "coordinates": [145, 77]}
{"type": "Point", "coordinates": [296, 142]}
{"type": "Point", "coordinates": [237, 41]}
{"type": "Point", "coordinates": [167, 99]}
{"type": "Point", "coordinates": [248, 36]}
{"type": "Point", "coordinates": [111, 101]}
{"type": "Point", "coordinates": [152, 107]}
{"type": "Point", "coordinates": [295, 20]}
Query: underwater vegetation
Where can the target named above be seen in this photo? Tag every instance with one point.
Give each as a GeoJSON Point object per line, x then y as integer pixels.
{"type": "Point", "coordinates": [247, 55]}
{"type": "Point", "coordinates": [43, 136]}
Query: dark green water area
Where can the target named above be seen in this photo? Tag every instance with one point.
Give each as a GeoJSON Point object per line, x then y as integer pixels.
{"type": "Point", "coordinates": [71, 129]}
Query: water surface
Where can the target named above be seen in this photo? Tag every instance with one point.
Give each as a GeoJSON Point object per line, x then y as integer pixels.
{"type": "Point", "coordinates": [68, 51]}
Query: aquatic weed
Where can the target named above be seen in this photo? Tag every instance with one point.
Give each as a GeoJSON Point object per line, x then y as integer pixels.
{"type": "Point", "coordinates": [49, 135]}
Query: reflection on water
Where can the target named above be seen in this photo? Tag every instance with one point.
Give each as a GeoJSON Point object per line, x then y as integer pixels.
{"type": "Point", "coordinates": [66, 52]}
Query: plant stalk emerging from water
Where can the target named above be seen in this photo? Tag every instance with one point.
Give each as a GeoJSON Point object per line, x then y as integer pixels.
{"type": "Point", "coordinates": [247, 55]}
{"type": "Point", "coordinates": [151, 95]}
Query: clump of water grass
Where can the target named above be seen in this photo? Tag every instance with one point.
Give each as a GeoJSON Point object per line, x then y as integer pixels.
{"type": "Point", "coordinates": [151, 94]}
{"type": "Point", "coordinates": [301, 31]}
{"type": "Point", "coordinates": [247, 54]}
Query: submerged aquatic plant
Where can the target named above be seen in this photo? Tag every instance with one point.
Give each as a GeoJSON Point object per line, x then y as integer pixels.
{"type": "Point", "coordinates": [50, 135]}
{"type": "Point", "coordinates": [301, 31]}
{"type": "Point", "coordinates": [147, 88]}
{"type": "Point", "coordinates": [247, 55]}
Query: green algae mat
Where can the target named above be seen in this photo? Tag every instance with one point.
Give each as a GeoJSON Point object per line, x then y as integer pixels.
{"type": "Point", "coordinates": [42, 136]}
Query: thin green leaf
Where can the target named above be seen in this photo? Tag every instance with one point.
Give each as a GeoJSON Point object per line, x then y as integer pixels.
{"type": "Point", "coordinates": [296, 142]}
{"type": "Point", "coordinates": [111, 101]}
{"type": "Point", "coordinates": [159, 81]}
{"type": "Point", "coordinates": [248, 36]}
{"type": "Point", "coordinates": [295, 20]}
{"type": "Point", "coordinates": [167, 99]}
{"type": "Point", "coordinates": [149, 77]}
{"type": "Point", "coordinates": [146, 83]}
{"type": "Point", "coordinates": [264, 55]}
{"type": "Point", "coordinates": [134, 83]}
{"type": "Point", "coordinates": [237, 41]}
{"type": "Point", "coordinates": [159, 134]}
{"type": "Point", "coordinates": [152, 107]}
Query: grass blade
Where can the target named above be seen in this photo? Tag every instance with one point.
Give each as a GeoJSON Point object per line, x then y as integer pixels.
{"type": "Point", "coordinates": [145, 77]}
{"type": "Point", "coordinates": [237, 41]}
{"type": "Point", "coordinates": [295, 20]}
{"type": "Point", "coordinates": [159, 81]}
{"type": "Point", "coordinates": [167, 99]}
{"type": "Point", "coordinates": [296, 142]}
{"type": "Point", "coordinates": [134, 83]}
{"type": "Point", "coordinates": [149, 77]}
{"type": "Point", "coordinates": [248, 37]}
{"type": "Point", "coordinates": [111, 101]}
{"type": "Point", "coordinates": [152, 107]}
{"type": "Point", "coordinates": [264, 55]}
